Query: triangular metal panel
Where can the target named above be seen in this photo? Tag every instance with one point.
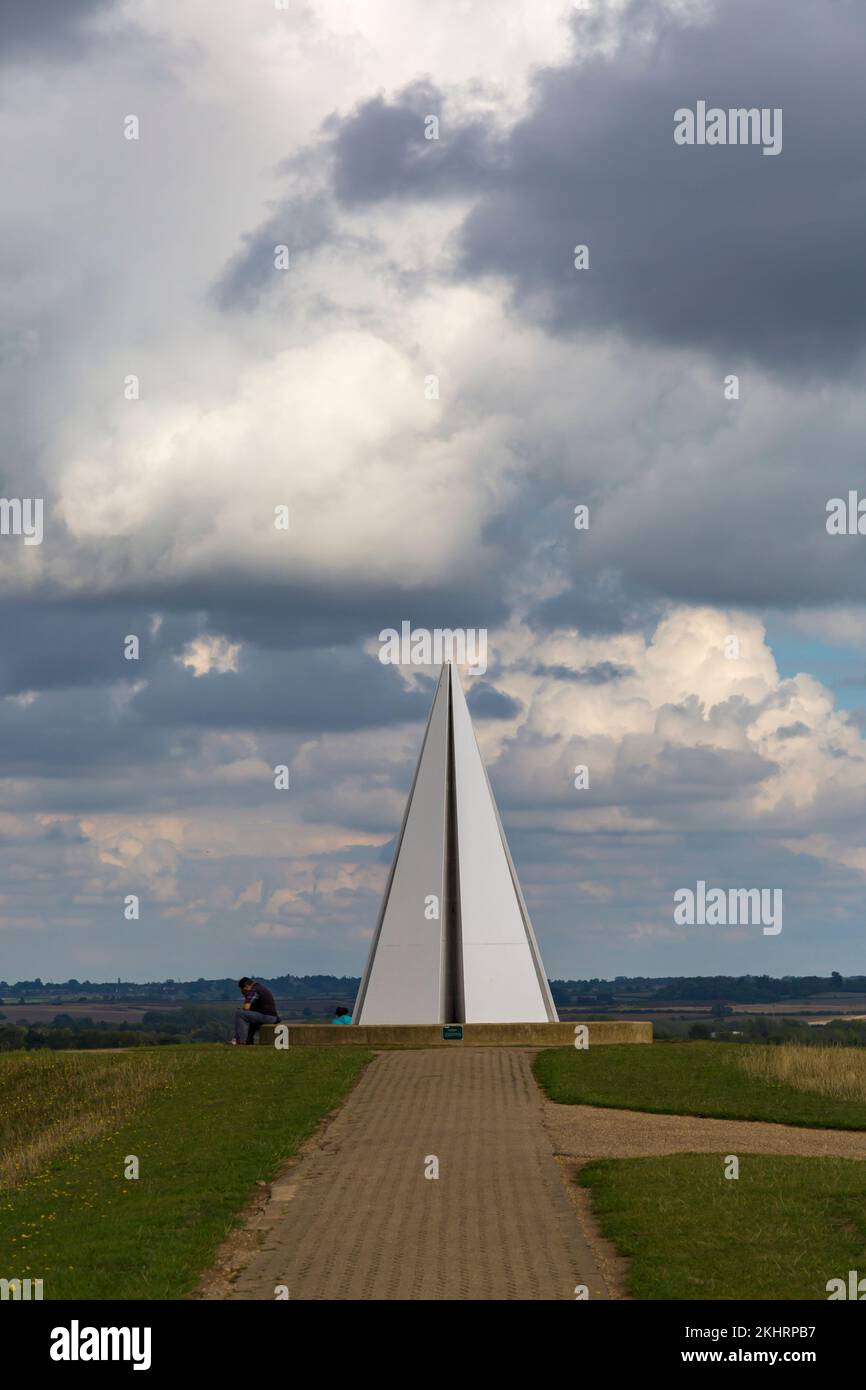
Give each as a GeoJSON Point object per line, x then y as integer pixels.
{"type": "Point", "coordinates": [503, 978]}
{"type": "Point", "coordinates": [403, 981]}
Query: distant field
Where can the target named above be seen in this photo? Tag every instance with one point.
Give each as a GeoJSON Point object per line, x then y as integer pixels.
{"type": "Point", "coordinates": [828, 1005]}
{"type": "Point", "coordinates": [115, 1013]}
{"type": "Point", "coordinates": [700, 1078]}
{"type": "Point", "coordinates": [37, 1014]}
{"type": "Point", "coordinates": [205, 1124]}
{"type": "Point", "coordinates": [781, 1230]}
{"type": "Point", "coordinates": [818, 1006]}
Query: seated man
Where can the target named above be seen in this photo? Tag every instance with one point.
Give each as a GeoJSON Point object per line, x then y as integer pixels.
{"type": "Point", "coordinates": [259, 1007]}
{"type": "Point", "coordinates": [341, 1015]}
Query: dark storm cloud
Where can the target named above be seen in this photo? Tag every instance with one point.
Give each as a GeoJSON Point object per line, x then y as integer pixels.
{"type": "Point", "coordinates": [49, 29]}
{"type": "Point", "coordinates": [88, 720]}
{"type": "Point", "coordinates": [796, 730]}
{"type": "Point", "coordinates": [648, 775]}
{"type": "Point", "coordinates": [80, 733]}
{"type": "Point", "coordinates": [718, 247]}
{"type": "Point", "coordinates": [598, 601]}
{"type": "Point", "coordinates": [56, 645]}
{"type": "Point", "coordinates": [602, 673]}
{"type": "Point", "coordinates": [486, 702]}
{"type": "Point", "coordinates": [733, 525]}
{"type": "Point", "coordinates": [301, 669]}
{"type": "Point", "coordinates": [382, 151]}
{"type": "Point", "coordinates": [317, 689]}
{"type": "Point", "coordinates": [301, 225]}
{"type": "Point", "coordinates": [290, 615]}
{"type": "Point", "coordinates": [378, 153]}
{"type": "Point", "coordinates": [245, 602]}
{"type": "Point", "coordinates": [683, 775]}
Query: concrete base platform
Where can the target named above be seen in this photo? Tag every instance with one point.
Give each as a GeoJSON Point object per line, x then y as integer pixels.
{"type": "Point", "coordinates": [383, 1035]}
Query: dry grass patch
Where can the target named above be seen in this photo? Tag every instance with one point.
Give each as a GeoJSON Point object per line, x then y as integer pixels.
{"type": "Point", "coordinates": [52, 1101]}
{"type": "Point", "coordinates": [839, 1072]}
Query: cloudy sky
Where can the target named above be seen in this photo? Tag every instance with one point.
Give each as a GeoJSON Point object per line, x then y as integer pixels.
{"type": "Point", "coordinates": [309, 387]}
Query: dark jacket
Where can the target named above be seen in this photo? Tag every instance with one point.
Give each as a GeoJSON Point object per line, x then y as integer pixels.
{"type": "Point", "coordinates": [261, 1001]}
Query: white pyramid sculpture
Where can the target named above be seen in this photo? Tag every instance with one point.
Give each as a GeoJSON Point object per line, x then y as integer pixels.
{"type": "Point", "coordinates": [477, 961]}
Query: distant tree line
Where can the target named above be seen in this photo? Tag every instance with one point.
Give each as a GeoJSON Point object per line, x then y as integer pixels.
{"type": "Point", "coordinates": [771, 1030]}
{"type": "Point", "coordinates": [732, 989]}
{"type": "Point", "coordinates": [758, 989]}
{"type": "Point", "coordinates": [127, 991]}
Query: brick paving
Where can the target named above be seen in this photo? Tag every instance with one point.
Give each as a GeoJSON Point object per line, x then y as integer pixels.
{"type": "Point", "coordinates": [355, 1217]}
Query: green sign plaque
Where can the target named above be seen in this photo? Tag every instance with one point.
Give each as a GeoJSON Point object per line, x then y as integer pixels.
{"type": "Point", "coordinates": [453, 1032]}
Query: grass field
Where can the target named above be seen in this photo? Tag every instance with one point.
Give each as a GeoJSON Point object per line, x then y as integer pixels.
{"type": "Point", "coordinates": [829, 1071]}
{"type": "Point", "coordinates": [51, 1101]}
{"type": "Point", "coordinates": [781, 1230]}
{"type": "Point", "coordinates": [702, 1079]}
{"type": "Point", "coordinates": [205, 1123]}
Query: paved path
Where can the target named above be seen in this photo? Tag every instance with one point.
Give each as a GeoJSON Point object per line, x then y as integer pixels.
{"type": "Point", "coordinates": [355, 1217]}
{"type": "Point", "coordinates": [582, 1132]}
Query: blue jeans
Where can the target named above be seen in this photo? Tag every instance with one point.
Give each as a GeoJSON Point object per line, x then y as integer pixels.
{"type": "Point", "coordinates": [248, 1023]}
